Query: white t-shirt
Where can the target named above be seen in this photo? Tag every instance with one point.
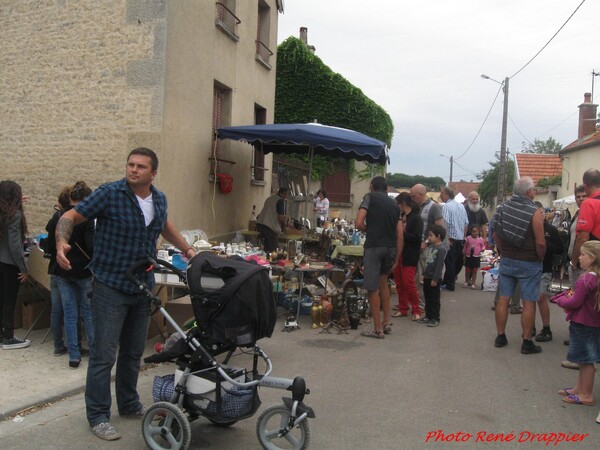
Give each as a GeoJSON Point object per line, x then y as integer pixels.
{"type": "Point", "coordinates": [147, 208]}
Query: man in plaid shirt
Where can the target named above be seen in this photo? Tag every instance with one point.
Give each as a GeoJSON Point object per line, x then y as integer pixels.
{"type": "Point", "coordinates": [130, 215]}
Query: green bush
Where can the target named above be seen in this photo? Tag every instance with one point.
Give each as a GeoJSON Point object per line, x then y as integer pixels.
{"type": "Point", "coordinates": [308, 90]}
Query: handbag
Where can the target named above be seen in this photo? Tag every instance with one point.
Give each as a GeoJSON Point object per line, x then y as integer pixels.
{"type": "Point", "coordinates": [564, 295]}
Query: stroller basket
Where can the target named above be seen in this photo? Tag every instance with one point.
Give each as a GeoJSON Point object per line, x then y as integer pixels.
{"type": "Point", "coordinates": [236, 403]}
{"type": "Point", "coordinates": [220, 404]}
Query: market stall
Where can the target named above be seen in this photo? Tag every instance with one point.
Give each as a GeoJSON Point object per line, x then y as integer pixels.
{"type": "Point", "coordinates": [311, 139]}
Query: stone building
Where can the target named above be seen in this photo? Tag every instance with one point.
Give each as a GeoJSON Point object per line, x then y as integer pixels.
{"type": "Point", "coordinates": [83, 82]}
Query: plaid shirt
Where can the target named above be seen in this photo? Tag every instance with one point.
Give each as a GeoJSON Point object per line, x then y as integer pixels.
{"type": "Point", "coordinates": [122, 237]}
{"type": "Point", "coordinates": [456, 219]}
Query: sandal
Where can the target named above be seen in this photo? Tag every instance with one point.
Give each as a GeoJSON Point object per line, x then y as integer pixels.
{"type": "Point", "coordinates": [564, 392]}
{"type": "Point", "coordinates": [575, 400]}
{"type": "Point", "coordinates": [399, 314]}
{"type": "Point", "coordinates": [387, 328]}
{"type": "Point", "coordinates": [416, 317]}
{"type": "Point", "coordinates": [473, 287]}
{"type": "Point", "coordinates": [372, 333]}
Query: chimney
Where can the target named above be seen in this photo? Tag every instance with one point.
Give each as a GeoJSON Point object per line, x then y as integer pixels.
{"type": "Point", "coordinates": [587, 116]}
{"type": "Point", "coordinates": [304, 38]}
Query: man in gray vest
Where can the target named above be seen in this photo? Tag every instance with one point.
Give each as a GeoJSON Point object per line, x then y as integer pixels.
{"type": "Point", "coordinates": [519, 236]}
{"type": "Point", "coordinates": [271, 219]}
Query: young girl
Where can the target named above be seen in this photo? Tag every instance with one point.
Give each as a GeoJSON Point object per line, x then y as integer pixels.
{"type": "Point", "coordinates": [472, 249]}
{"type": "Point", "coordinates": [583, 311]}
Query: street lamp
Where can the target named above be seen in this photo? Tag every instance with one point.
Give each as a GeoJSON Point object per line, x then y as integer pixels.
{"type": "Point", "coordinates": [451, 158]}
{"type": "Point", "coordinates": [502, 169]}
{"type": "Point", "coordinates": [594, 74]}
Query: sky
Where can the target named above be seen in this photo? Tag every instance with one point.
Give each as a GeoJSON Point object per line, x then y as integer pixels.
{"type": "Point", "coordinates": [422, 62]}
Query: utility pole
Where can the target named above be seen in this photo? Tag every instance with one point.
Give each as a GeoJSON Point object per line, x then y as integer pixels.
{"type": "Point", "coordinates": [451, 164]}
{"type": "Point", "coordinates": [502, 168]}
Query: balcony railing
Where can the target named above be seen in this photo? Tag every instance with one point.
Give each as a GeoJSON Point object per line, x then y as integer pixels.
{"type": "Point", "coordinates": [227, 21]}
{"type": "Point", "coordinates": [263, 53]}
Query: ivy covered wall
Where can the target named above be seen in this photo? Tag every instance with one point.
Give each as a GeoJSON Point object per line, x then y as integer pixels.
{"type": "Point", "coordinates": [308, 90]}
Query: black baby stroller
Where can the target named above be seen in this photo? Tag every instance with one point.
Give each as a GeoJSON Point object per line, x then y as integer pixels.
{"type": "Point", "coordinates": [234, 307]}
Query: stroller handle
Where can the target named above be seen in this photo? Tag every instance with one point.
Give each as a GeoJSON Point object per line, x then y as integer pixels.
{"type": "Point", "coordinates": [149, 263]}
{"type": "Point", "coordinates": [144, 262]}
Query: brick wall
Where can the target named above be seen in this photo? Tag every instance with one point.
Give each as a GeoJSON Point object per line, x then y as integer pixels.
{"type": "Point", "coordinates": [81, 84]}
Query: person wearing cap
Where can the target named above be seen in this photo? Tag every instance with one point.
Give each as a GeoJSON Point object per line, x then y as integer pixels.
{"type": "Point", "coordinates": [271, 220]}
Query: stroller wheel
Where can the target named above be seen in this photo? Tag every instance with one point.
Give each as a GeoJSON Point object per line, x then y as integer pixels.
{"type": "Point", "coordinates": [274, 419]}
{"type": "Point", "coordinates": [165, 426]}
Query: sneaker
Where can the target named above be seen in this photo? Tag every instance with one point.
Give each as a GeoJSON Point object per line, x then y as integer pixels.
{"type": "Point", "coordinates": [570, 365]}
{"type": "Point", "coordinates": [501, 340]}
{"type": "Point", "coordinates": [544, 336]}
{"type": "Point", "coordinates": [433, 323]}
{"type": "Point", "coordinates": [15, 342]}
{"type": "Point", "coordinates": [74, 364]}
{"type": "Point", "coordinates": [423, 320]}
{"type": "Point", "coordinates": [136, 414]}
{"type": "Point", "coordinates": [60, 351]}
{"type": "Point", "coordinates": [529, 348]}
{"type": "Point", "coordinates": [598, 418]}
{"type": "Point", "coordinates": [84, 351]}
{"type": "Point", "coordinates": [106, 431]}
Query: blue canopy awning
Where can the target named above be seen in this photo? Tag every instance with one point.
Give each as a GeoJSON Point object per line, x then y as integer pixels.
{"type": "Point", "coordinates": [301, 138]}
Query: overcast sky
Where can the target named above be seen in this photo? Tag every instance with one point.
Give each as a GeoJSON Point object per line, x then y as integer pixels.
{"type": "Point", "coordinates": [422, 60]}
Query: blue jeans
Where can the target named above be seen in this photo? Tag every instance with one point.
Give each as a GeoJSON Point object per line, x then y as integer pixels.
{"type": "Point", "coordinates": [120, 320]}
{"type": "Point", "coordinates": [75, 303]}
{"type": "Point", "coordinates": [56, 314]}
{"type": "Point", "coordinates": [527, 273]}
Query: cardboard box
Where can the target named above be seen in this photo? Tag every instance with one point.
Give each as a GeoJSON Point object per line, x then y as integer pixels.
{"type": "Point", "coordinates": [180, 310]}
{"type": "Point", "coordinates": [31, 311]}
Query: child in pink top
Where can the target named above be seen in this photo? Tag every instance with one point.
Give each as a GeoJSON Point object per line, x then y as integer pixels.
{"type": "Point", "coordinates": [583, 311]}
{"type": "Point", "coordinates": [472, 249]}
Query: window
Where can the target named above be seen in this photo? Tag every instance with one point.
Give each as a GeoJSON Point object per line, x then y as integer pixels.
{"type": "Point", "coordinates": [226, 19]}
{"type": "Point", "coordinates": [221, 117]}
{"type": "Point", "coordinates": [258, 166]}
{"type": "Point", "coordinates": [263, 35]}
{"type": "Point", "coordinates": [337, 187]}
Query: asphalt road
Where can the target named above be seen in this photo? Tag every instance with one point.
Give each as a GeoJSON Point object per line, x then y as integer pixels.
{"type": "Point", "coordinates": [418, 388]}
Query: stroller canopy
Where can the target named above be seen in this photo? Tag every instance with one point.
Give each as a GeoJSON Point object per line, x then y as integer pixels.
{"type": "Point", "coordinates": [242, 310]}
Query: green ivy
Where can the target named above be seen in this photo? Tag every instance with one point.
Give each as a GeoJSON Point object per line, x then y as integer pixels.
{"type": "Point", "coordinates": [550, 181]}
{"type": "Point", "coordinates": [308, 90]}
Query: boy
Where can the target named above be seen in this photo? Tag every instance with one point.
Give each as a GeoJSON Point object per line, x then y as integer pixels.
{"type": "Point", "coordinates": [432, 275]}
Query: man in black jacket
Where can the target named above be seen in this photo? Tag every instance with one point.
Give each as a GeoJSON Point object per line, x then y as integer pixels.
{"type": "Point", "coordinates": [554, 247]}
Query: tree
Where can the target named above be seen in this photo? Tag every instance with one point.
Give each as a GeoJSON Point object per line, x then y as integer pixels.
{"type": "Point", "coordinates": [401, 180]}
{"type": "Point", "coordinates": [488, 189]}
{"type": "Point", "coordinates": [547, 147]}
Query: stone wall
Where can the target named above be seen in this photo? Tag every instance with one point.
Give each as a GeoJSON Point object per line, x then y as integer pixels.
{"type": "Point", "coordinates": [81, 84]}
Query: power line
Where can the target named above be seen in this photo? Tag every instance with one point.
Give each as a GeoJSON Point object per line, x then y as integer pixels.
{"type": "Point", "coordinates": [515, 125]}
{"type": "Point", "coordinates": [564, 120]}
{"type": "Point", "coordinates": [464, 168]}
{"type": "Point", "coordinates": [547, 43]}
{"type": "Point", "coordinates": [482, 125]}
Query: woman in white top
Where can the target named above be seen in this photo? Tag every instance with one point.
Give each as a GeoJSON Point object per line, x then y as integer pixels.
{"type": "Point", "coordinates": [321, 208]}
